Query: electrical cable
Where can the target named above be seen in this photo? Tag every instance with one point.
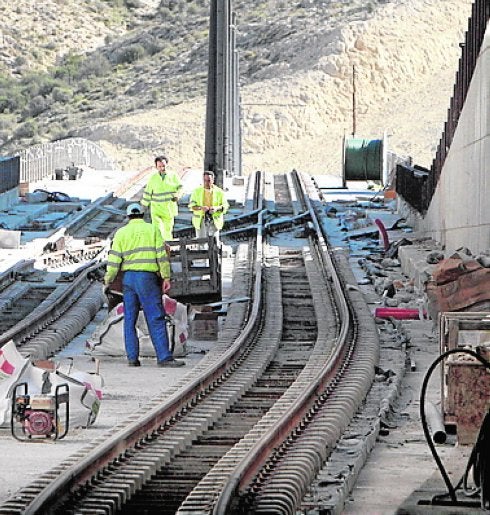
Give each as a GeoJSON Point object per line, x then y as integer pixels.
{"type": "Point", "coordinates": [480, 462]}
{"type": "Point", "coordinates": [479, 459]}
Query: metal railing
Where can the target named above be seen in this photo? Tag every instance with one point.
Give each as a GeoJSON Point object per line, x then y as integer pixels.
{"type": "Point", "coordinates": [417, 192]}
{"type": "Point", "coordinates": [41, 161]}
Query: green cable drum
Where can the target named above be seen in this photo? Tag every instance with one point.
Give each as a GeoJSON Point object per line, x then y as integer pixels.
{"type": "Point", "coordinates": [363, 160]}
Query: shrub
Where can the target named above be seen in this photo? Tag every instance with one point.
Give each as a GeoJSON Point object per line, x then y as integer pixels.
{"type": "Point", "coordinates": [84, 86]}
{"type": "Point", "coordinates": [20, 60]}
{"type": "Point", "coordinates": [130, 54]}
{"type": "Point", "coordinates": [152, 45]}
{"type": "Point", "coordinates": [95, 66]}
{"type": "Point", "coordinates": [28, 129]}
{"type": "Point", "coordinates": [62, 94]}
{"type": "Point", "coordinates": [133, 4]}
{"type": "Point", "coordinates": [164, 12]}
{"type": "Point", "coordinates": [12, 101]}
{"type": "Point", "coordinates": [36, 84]}
{"type": "Point", "coordinates": [70, 67]}
{"type": "Point", "coordinates": [58, 133]}
{"type": "Point", "coordinates": [36, 106]}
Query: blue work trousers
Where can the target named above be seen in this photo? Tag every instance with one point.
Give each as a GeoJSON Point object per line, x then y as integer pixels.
{"type": "Point", "coordinates": [143, 290]}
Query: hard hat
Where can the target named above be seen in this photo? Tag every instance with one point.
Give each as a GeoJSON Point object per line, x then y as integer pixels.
{"type": "Point", "coordinates": [134, 209]}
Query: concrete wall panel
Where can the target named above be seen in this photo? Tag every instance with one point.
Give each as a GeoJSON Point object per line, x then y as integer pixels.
{"type": "Point", "coordinates": [459, 214]}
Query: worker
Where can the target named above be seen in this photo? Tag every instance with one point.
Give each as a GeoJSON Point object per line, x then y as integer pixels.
{"type": "Point", "coordinates": [139, 252]}
{"type": "Point", "coordinates": [208, 204]}
{"type": "Point", "coordinates": [161, 195]}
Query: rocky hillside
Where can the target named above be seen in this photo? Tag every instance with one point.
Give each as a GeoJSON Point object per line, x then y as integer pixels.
{"type": "Point", "coordinates": [131, 75]}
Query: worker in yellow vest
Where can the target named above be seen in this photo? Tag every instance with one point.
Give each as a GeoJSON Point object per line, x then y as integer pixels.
{"type": "Point", "coordinates": [208, 205]}
{"type": "Point", "coordinates": [138, 251]}
{"type": "Point", "coordinates": [161, 195]}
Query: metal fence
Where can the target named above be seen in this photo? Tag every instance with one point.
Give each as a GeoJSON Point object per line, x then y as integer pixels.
{"type": "Point", "coordinates": [424, 190]}
{"type": "Point", "coordinates": [412, 180]}
{"type": "Point", "coordinates": [41, 161]}
{"type": "Point", "coordinates": [9, 173]}
{"type": "Point", "coordinates": [392, 162]}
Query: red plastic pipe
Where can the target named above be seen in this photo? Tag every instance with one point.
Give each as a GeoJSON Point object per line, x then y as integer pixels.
{"type": "Point", "coordinates": [398, 313]}
{"type": "Point", "coordinates": [384, 233]}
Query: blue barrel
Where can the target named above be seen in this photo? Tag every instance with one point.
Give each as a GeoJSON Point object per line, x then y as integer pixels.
{"type": "Point", "coordinates": [363, 159]}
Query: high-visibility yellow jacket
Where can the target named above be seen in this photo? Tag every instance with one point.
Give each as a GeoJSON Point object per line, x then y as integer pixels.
{"type": "Point", "coordinates": [137, 246]}
{"type": "Point", "coordinates": [159, 194]}
{"type": "Point", "coordinates": [219, 203]}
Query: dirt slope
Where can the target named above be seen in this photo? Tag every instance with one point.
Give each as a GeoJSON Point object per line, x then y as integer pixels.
{"type": "Point", "coordinates": [297, 105]}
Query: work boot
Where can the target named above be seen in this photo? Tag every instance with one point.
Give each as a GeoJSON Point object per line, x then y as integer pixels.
{"type": "Point", "coordinates": [172, 362]}
{"type": "Point", "coordinates": [134, 363]}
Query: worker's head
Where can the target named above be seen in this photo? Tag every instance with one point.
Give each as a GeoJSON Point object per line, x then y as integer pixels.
{"type": "Point", "coordinates": [161, 163]}
{"type": "Point", "coordinates": [134, 210]}
{"type": "Point", "coordinates": [208, 178]}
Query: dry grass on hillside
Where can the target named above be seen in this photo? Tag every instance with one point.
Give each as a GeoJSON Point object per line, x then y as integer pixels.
{"type": "Point", "coordinates": [405, 59]}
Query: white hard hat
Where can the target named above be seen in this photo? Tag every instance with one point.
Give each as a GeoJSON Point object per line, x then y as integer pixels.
{"type": "Point", "coordinates": [134, 209]}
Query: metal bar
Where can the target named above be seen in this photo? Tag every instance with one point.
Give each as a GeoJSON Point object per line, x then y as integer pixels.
{"type": "Point", "coordinates": [210, 134]}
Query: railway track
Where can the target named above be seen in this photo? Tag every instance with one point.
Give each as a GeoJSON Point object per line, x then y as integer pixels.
{"type": "Point", "coordinates": [291, 375]}
{"type": "Point", "coordinates": [290, 354]}
{"type": "Point", "coordinates": [269, 470]}
{"type": "Point", "coordinates": [44, 306]}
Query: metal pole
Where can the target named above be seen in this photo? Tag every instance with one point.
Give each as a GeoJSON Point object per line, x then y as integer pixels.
{"type": "Point", "coordinates": [436, 423]}
{"type": "Point", "coordinates": [218, 109]}
{"type": "Point", "coordinates": [235, 104]}
{"type": "Point", "coordinates": [226, 113]}
{"type": "Point", "coordinates": [354, 128]}
{"type": "Point", "coordinates": [210, 132]}
{"type": "Point", "coordinates": [220, 91]}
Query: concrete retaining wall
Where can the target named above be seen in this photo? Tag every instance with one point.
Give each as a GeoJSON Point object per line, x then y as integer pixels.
{"type": "Point", "coordinates": [459, 214]}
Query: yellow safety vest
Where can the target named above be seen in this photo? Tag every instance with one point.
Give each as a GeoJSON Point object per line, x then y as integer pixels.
{"type": "Point", "coordinates": [159, 194]}
{"type": "Point", "coordinates": [218, 201]}
{"type": "Point", "coordinates": [137, 246]}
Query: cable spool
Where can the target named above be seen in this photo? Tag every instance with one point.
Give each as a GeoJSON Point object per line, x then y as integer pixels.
{"type": "Point", "coordinates": [363, 159]}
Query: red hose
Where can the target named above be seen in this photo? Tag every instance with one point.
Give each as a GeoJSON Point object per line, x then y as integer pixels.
{"type": "Point", "coordinates": [384, 233]}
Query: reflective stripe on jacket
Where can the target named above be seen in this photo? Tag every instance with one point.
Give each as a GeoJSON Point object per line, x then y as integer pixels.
{"type": "Point", "coordinates": [219, 200]}
{"type": "Point", "coordinates": [137, 246]}
{"type": "Point", "coordinates": [159, 193]}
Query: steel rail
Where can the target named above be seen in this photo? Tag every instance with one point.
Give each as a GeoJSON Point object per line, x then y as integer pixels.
{"type": "Point", "coordinates": [51, 311]}
{"type": "Point", "coordinates": [55, 240]}
{"type": "Point", "coordinates": [81, 219]}
{"type": "Point", "coordinates": [9, 276]}
{"type": "Point", "coordinates": [256, 457]}
{"type": "Point", "coordinates": [294, 465]}
{"type": "Point", "coordinates": [54, 306]}
{"type": "Point", "coordinates": [128, 437]}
